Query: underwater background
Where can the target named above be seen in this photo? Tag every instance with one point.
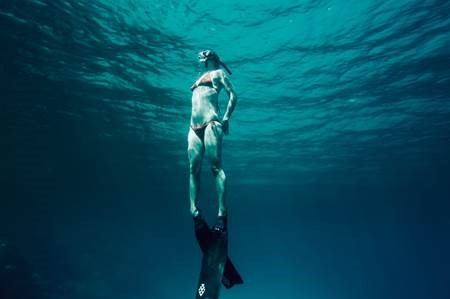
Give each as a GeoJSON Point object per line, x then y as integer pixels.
{"type": "Point", "coordinates": [338, 157]}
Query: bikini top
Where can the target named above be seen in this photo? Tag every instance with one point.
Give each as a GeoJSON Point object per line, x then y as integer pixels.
{"type": "Point", "coordinates": [205, 80]}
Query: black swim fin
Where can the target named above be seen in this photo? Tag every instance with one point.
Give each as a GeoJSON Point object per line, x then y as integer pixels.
{"type": "Point", "coordinates": [204, 236]}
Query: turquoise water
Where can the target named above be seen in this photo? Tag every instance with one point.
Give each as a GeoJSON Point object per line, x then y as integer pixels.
{"type": "Point", "coordinates": [338, 154]}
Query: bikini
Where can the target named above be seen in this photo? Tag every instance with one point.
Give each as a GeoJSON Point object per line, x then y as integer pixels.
{"type": "Point", "coordinates": [205, 80]}
{"type": "Point", "coordinates": [200, 130]}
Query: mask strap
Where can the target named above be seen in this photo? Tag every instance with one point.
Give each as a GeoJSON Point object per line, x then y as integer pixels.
{"type": "Point", "coordinates": [226, 68]}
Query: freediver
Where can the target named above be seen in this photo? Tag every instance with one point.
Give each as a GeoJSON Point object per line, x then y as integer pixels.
{"type": "Point", "coordinates": [206, 130]}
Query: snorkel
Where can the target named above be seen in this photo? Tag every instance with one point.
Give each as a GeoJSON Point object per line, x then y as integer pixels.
{"type": "Point", "coordinates": [206, 55]}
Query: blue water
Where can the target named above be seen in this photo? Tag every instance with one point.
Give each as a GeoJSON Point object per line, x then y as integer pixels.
{"type": "Point", "coordinates": [338, 155]}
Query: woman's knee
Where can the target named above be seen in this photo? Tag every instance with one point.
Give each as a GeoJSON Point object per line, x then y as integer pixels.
{"type": "Point", "coordinates": [194, 167]}
{"type": "Point", "coordinates": [216, 170]}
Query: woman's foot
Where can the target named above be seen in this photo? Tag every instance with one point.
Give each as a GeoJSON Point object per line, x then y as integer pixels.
{"type": "Point", "coordinates": [221, 224]}
{"type": "Point", "coordinates": [196, 213]}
